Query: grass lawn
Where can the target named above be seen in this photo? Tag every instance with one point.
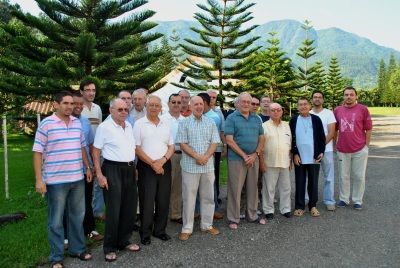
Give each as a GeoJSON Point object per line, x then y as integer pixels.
{"type": "Point", "coordinates": [384, 111]}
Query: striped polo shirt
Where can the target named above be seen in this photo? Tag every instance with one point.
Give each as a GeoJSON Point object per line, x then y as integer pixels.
{"type": "Point", "coordinates": [61, 148]}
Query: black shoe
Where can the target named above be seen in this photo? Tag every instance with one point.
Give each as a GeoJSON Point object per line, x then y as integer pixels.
{"type": "Point", "coordinates": [269, 216]}
{"type": "Point", "coordinates": [163, 237]}
{"type": "Point", "coordinates": [145, 241]}
{"type": "Point", "coordinates": [287, 214]}
{"type": "Point", "coordinates": [177, 220]}
{"type": "Point", "coordinates": [135, 227]}
{"type": "Point", "coordinates": [219, 200]}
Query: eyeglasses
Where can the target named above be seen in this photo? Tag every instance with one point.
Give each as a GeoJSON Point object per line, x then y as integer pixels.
{"type": "Point", "coordinates": [120, 110]}
{"type": "Point", "coordinates": [154, 105]}
{"type": "Point", "coordinates": [276, 110]}
{"type": "Point", "coordinates": [126, 98]}
{"type": "Point", "coordinates": [255, 104]}
{"type": "Point", "coordinates": [213, 97]}
{"type": "Point", "coordinates": [176, 102]}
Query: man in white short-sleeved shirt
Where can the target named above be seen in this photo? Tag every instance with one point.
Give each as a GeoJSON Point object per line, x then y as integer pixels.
{"type": "Point", "coordinates": [114, 140]}
{"type": "Point", "coordinates": [154, 148]}
{"type": "Point", "coordinates": [328, 121]}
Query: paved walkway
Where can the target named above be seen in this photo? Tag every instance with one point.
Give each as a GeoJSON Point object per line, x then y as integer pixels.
{"type": "Point", "coordinates": [345, 238]}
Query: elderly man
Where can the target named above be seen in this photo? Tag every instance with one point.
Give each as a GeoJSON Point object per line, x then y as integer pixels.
{"type": "Point", "coordinates": [58, 152]}
{"type": "Point", "coordinates": [255, 103]}
{"type": "Point", "coordinates": [244, 136]}
{"type": "Point", "coordinates": [354, 128]}
{"type": "Point", "coordinates": [93, 112]}
{"type": "Point", "coordinates": [139, 101]}
{"type": "Point", "coordinates": [185, 108]}
{"type": "Point", "coordinates": [308, 147]}
{"type": "Point", "coordinates": [329, 122]}
{"type": "Point", "coordinates": [276, 163]}
{"type": "Point", "coordinates": [198, 137]}
{"type": "Point", "coordinates": [127, 97]}
{"type": "Point", "coordinates": [173, 117]}
{"type": "Point", "coordinates": [265, 112]}
{"type": "Point", "coordinates": [154, 147]}
{"type": "Point", "coordinates": [114, 140]}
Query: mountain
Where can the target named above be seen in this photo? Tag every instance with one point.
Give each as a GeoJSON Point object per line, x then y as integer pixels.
{"type": "Point", "coordinates": [358, 56]}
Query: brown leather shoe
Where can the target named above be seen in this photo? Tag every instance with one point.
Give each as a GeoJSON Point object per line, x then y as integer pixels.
{"type": "Point", "coordinates": [212, 230]}
{"type": "Point", "coordinates": [184, 236]}
{"type": "Point", "coordinates": [218, 216]}
{"type": "Point", "coordinates": [96, 236]}
{"type": "Point", "coordinates": [196, 216]}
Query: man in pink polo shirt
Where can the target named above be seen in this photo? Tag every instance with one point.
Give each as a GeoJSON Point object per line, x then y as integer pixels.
{"type": "Point", "coordinates": [354, 127]}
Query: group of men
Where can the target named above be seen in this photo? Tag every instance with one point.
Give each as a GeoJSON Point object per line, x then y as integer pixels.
{"type": "Point", "coordinates": [169, 162]}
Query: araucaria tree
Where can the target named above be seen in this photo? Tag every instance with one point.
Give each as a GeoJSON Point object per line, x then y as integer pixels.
{"type": "Point", "coordinates": [334, 83]}
{"type": "Point", "coordinates": [222, 42]}
{"type": "Point", "coordinates": [306, 51]}
{"type": "Point", "coordinates": [73, 40]}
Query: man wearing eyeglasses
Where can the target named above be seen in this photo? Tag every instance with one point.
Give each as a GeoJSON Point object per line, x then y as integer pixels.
{"type": "Point", "coordinates": [127, 97]}
{"type": "Point", "coordinates": [93, 112]}
{"type": "Point", "coordinates": [173, 117]}
{"type": "Point", "coordinates": [185, 108]}
{"type": "Point", "coordinates": [154, 147]}
{"type": "Point", "coordinates": [139, 101]}
{"type": "Point", "coordinates": [114, 140]}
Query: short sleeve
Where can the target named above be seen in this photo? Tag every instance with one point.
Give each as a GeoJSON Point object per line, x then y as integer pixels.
{"type": "Point", "coordinates": [99, 137]}
{"type": "Point", "coordinates": [181, 136]}
{"type": "Point", "coordinates": [137, 134]}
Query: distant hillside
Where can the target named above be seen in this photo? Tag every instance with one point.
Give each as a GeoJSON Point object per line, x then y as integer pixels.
{"type": "Point", "coordinates": [358, 56]}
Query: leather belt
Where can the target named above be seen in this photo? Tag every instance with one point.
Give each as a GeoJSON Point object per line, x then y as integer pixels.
{"type": "Point", "coordinates": [178, 152]}
{"type": "Point", "coordinates": [129, 164]}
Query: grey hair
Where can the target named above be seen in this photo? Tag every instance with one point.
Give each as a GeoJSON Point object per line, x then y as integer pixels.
{"type": "Point", "coordinates": [152, 96]}
{"type": "Point", "coordinates": [212, 91]}
{"type": "Point", "coordinates": [123, 91]}
{"type": "Point", "coordinates": [113, 101]}
{"type": "Point", "coordinates": [140, 91]}
{"type": "Point", "coordinates": [184, 90]}
{"type": "Point", "coordinates": [241, 95]}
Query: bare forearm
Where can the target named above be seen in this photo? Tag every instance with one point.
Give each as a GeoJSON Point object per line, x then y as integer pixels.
{"type": "Point", "coordinates": [188, 150]}
{"type": "Point", "coordinates": [233, 145]}
{"type": "Point", "coordinates": [96, 160]}
{"type": "Point", "coordinates": [211, 150]}
{"type": "Point", "coordinates": [143, 156]}
{"type": "Point", "coordinates": [37, 165]}
{"type": "Point", "coordinates": [85, 158]}
{"type": "Point", "coordinates": [368, 137]}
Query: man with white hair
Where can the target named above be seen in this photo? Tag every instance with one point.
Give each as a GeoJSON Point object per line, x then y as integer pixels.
{"type": "Point", "coordinates": [185, 108]}
{"type": "Point", "coordinates": [139, 101]}
{"type": "Point", "coordinates": [276, 163]}
{"type": "Point", "coordinates": [126, 96]}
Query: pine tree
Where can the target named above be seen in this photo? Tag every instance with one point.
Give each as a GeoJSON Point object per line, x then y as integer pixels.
{"type": "Point", "coordinates": [318, 78]}
{"type": "Point", "coordinates": [176, 48]}
{"type": "Point", "coordinates": [221, 41]}
{"type": "Point", "coordinates": [74, 40]}
{"type": "Point", "coordinates": [382, 80]}
{"type": "Point", "coordinates": [269, 72]}
{"type": "Point", "coordinates": [166, 62]}
{"type": "Point", "coordinates": [306, 51]}
{"type": "Point", "coordinates": [394, 86]}
{"type": "Point", "coordinates": [334, 83]}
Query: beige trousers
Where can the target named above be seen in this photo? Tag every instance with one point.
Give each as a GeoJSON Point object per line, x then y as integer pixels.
{"type": "Point", "coordinates": [175, 205]}
{"type": "Point", "coordinates": [276, 177]}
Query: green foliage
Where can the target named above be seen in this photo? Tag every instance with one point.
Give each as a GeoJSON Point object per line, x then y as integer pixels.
{"type": "Point", "coordinates": [388, 91]}
{"type": "Point", "coordinates": [74, 40]}
{"type": "Point", "coordinates": [221, 41]}
{"type": "Point", "coordinates": [166, 62]}
{"type": "Point", "coordinates": [334, 84]}
{"type": "Point", "coordinates": [269, 72]}
{"type": "Point", "coordinates": [176, 47]}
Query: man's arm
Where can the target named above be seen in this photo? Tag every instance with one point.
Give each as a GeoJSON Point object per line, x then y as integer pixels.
{"type": "Point", "coordinates": [368, 137]}
{"type": "Point", "coordinates": [233, 145]}
{"type": "Point", "coordinates": [97, 167]}
{"type": "Point", "coordinates": [37, 166]}
{"type": "Point", "coordinates": [86, 164]}
{"type": "Point", "coordinates": [331, 132]}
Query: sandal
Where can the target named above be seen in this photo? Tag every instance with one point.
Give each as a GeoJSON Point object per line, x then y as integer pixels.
{"type": "Point", "coordinates": [133, 247]}
{"type": "Point", "coordinates": [57, 264]}
{"type": "Point", "coordinates": [298, 212]}
{"type": "Point", "coordinates": [314, 212]}
{"type": "Point", "coordinates": [110, 257]}
{"type": "Point", "coordinates": [84, 256]}
{"type": "Point", "coordinates": [232, 225]}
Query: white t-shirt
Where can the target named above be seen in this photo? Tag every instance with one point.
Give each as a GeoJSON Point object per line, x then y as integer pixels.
{"type": "Point", "coordinates": [94, 115]}
{"type": "Point", "coordinates": [327, 117]}
{"type": "Point", "coordinates": [115, 142]}
{"type": "Point", "coordinates": [173, 124]}
{"type": "Point", "coordinates": [153, 139]}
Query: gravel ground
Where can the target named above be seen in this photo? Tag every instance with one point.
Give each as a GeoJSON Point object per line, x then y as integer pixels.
{"type": "Point", "coordinates": [345, 238]}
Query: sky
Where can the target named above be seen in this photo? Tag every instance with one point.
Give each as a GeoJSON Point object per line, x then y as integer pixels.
{"type": "Point", "coordinates": [377, 20]}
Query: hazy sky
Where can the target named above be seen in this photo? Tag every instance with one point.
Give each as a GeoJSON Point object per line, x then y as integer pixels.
{"type": "Point", "coordinates": [377, 20]}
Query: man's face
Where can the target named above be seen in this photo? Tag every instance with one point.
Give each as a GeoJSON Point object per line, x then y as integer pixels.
{"type": "Point", "coordinates": [119, 111]}
{"type": "Point", "coordinates": [213, 98]}
{"type": "Point", "coordinates": [265, 102]}
{"type": "Point", "coordinates": [78, 106]}
{"type": "Point", "coordinates": [175, 104]}
{"type": "Point", "coordinates": [244, 104]}
{"type": "Point", "coordinates": [197, 106]}
{"type": "Point", "coordinates": [65, 107]}
{"type": "Point", "coordinates": [127, 97]}
{"type": "Point", "coordinates": [349, 97]}
{"type": "Point", "coordinates": [185, 97]}
{"type": "Point", "coordinates": [89, 92]}
{"type": "Point", "coordinates": [255, 103]}
{"type": "Point", "coordinates": [276, 112]}
{"type": "Point", "coordinates": [153, 106]}
{"type": "Point", "coordinates": [304, 107]}
{"type": "Point", "coordinates": [318, 99]}
{"type": "Point", "coordinates": [139, 100]}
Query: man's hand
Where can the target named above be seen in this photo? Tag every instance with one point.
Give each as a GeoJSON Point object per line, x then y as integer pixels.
{"type": "Point", "coordinates": [40, 187]}
{"type": "Point", "coordinates": [89, 175]}
{"type": "Point", "coordinates": [319, 158]}
{"type": "Point", "coordinates": [102, 181]}
{"type": "Point", "coordinates": [201, 159]}
{"type": "Point", "coordinates": [297, 160]}
{"type": "Point", "coordinates": [263, 167]}
{"type": "Point", "coordinates": [158, 164]}
{"type": "Point", "coordinates": [250, 159]}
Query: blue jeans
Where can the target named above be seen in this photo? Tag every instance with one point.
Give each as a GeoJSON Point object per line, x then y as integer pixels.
{"type": "Point", "coordinates": [328, 170]}
{"type": "Point", "coordinates": [59, 197]}
{"type": "Point", "coordinates": [98, 199]}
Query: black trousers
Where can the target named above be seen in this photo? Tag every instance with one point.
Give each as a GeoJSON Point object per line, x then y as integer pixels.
{"type": "Point", "coordinates": [121, 201]}
{"type": "Point", "coordinates": [217, 162]}
{"type": "Point", "coordinates": [301, 173]}
{"type": "Point", "coordinates": [89, 223]}
{"type": "Point", "coordinates": [154, 193]}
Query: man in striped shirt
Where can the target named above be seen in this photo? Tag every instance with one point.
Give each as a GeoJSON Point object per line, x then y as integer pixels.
{"type": "Point", "coordinates": [60, 145]}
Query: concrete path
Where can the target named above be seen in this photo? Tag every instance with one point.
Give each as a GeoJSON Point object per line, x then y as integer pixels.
{"type": "Point", "coordinates": [345, 238]}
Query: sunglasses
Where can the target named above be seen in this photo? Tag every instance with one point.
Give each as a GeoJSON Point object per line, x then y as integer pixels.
{"type": "Point", "coordinates": [255, 104]}
{"type": "Point", "coordinates": [175, 102]}
{"type": "Point", "coordinates": [120, 110]}
{"type": "Point", "coordinates": [276, 110]}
